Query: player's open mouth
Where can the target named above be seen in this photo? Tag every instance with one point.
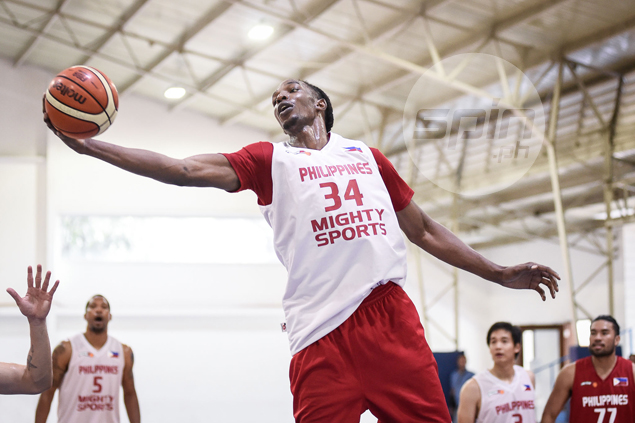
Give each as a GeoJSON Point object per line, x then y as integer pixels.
{"type": "Point", "coordinates": [98, 319]}
{"type": "Point", "coordinates": [283, 107]}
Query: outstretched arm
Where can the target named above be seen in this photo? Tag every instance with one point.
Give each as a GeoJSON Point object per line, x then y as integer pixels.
{"type": "Point", "coordinates": [37, 375]}
{"type": "Point", "coordinates": [205, 170]}
{"type": "Point", "coordinates": [444, 245]}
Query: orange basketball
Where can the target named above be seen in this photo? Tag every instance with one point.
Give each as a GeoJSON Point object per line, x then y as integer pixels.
{"type": "Point", "coordinates": [81, 102]}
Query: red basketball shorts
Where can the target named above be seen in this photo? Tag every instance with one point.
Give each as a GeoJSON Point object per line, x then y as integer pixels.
{"type": "Point", "coordinates": [378, 359]}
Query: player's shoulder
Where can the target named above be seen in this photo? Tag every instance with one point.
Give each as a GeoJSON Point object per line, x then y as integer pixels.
{"type": "Point", "coordinates": [471, 390]}
{"type": "Point", "coordinates": [567, 375]}
{"type": "Point", "coordinates": [64, 347]}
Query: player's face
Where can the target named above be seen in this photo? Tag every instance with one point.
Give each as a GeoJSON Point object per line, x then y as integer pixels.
{"type": "Point", "coordinates": [502, 348]}
{"type": "Point", "coordinates": [603, 339]}
{"type": "Point", "coordinates": [293, 105]}
{"type": "Point", "coordinates": [98, 314]}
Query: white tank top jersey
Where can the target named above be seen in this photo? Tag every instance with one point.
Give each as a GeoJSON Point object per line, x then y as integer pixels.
{"type": "Point", "coordinates": [89, 392]}
{"type": "Point", "coordinates": [335, 231]}
{"type": "Point", "coordinates": [503, 402]}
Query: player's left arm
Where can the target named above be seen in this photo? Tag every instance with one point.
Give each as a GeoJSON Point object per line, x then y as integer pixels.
{"type": "Point", "coordinates": [434, 238]}
{"type": "Point", "coordinates": [129, 392]}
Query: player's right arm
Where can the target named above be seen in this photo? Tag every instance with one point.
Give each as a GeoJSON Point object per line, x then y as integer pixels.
{"type": "Point", "coordinates": [205, 170]}
{"type": "Point", "coordinates": [61, 357]}
{"type": "Point", "coordinates": [469, 402]}
{"type": "Point", "coordinates": [560, 394]}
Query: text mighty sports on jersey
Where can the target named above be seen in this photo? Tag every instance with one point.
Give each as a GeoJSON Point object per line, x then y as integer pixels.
{"type": "Point", "coordinates": [344, 226]}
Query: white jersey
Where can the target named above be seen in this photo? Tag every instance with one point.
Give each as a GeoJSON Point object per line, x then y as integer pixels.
{"type": "Point", "coordinates": [336, 232]}
{"type": "Point", "coordinates": [503, 402]}
{"type": "Point", "coordinates": [89, 392]}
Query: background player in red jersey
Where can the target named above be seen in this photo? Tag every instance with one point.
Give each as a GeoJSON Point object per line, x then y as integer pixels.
{"type": "Point", "coordinates": [344, 296]}
{"type": "Point", "coordinates": [601, 387]}
{"type": "Point", "coordinates": [36, 376]}
{"type": "Point", "coordinates": [88, 370]}
{"type": "Point", "coordinates": [505, 393]}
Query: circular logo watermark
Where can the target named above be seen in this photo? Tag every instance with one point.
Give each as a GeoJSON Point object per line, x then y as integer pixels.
{"type": "Point", "coordinates": [473, 124]}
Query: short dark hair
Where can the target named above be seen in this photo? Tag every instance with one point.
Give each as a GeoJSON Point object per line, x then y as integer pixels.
{"type": "Point", "coordinates": [328, 113]}
{"type": "Point", "coordinates": [95, 296]}
{"type": "Point", "coordinates": [610, 319]}
{"type": "Point", "coordinates": [514, 330]}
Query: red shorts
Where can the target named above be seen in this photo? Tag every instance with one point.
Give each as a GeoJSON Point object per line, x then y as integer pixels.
{"type": "Point", "coordinates": [377, 360]}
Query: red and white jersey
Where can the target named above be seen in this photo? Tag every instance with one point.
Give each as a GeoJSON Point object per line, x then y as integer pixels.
{"type": "Point", "coordinates": [89, 392]}
{"type": "Point", "coordinates": [594, 400]}
{"type": "Point", "coordinates": [503, 402]}
{"type": "Point", "coordinates": [335, 228]}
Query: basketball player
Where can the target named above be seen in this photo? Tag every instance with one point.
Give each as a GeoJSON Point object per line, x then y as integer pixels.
{"type": "Point", "coordinates": [336, 207]}
{"type": "Point", "coordinates": [505, 393]}
{"type": "Point", "coordinates": [36, 376]}
{"type": "Point", "coordinates": [601, 387]}
{"type": "Point", "coordinates": [88, 370]}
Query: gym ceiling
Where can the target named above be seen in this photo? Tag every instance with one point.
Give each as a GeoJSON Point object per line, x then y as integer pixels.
{"type": "Point", "coordinates": [368, 55]}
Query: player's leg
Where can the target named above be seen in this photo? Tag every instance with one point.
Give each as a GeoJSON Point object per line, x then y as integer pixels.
{"type": "Point", "coordinates": [398, 371]}
{"type": "Point", "coordinates": [324, 386]}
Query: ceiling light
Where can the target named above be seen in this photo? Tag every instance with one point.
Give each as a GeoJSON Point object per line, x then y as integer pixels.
{"type": "Point", "coordinates": [615, 214]}
{"type": "Point", "coordinates": [174, 92]}
{"type": "Point", "coordinates": [260, 32]}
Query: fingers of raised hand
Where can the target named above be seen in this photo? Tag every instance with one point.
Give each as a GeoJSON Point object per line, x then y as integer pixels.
{"type": "Point", "coordinates": [38, 277]}
{"type": "Point", "coordinates": [29, 277]}
{"type": "Point", "coordinates": [52, 291]}
{"type": "Point", "coordinates": [47, 278]}
{"type": "Point", "coordinates": [14, 294]}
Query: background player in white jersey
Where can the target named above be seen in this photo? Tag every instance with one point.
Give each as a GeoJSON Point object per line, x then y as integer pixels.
{"type": "Point", "coordinates": [336, 207]}
{"type": "Point", "coordinates": [36, 376]}
{"type": "Point", "coordinates": [88, 369]}
{"type": "Point", "coordinates": [505, 393]}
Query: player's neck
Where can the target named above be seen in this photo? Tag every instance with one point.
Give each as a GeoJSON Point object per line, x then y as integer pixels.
{"type": "Point", "coordinates": [604, 365]}
{"type": "Point", "coordinates": [314, 136]}
{"type": "Point", "coordinates": [96, 339]}
{"type": "Point", "coordinates": [504, 372]}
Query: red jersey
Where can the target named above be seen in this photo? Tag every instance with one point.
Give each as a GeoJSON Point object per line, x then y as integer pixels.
{"type": "Point", "coordinates": [594, 400]}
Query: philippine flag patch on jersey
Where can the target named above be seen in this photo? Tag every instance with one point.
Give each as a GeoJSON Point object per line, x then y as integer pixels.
{"type": "Point", "coordinates": [527, 387]}
{"type": "Point", "coordinates": [113, 354]}
{"type": "Point", "coordinates": [351, 149]}
{"type": "Point", "coordinates": [620, 381]}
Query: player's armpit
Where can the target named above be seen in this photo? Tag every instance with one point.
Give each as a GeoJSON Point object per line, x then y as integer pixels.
{"type": "Point", "coordinates": [560, 394]}
{"type": "Point", "coordinates": [469, 402]}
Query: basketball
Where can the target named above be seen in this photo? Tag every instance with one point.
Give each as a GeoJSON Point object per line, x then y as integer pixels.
{"type": "Point", "coordinates": [81, 102]}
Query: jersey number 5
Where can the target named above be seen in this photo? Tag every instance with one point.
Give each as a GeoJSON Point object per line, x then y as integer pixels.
{"type": "Point", "coordinates": [351, 193]}
{"type": "Point", "coordinates": [96, 384]}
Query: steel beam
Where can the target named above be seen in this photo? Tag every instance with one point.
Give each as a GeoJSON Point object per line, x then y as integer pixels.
{"type": "Point", "coordinates": [30, 45]}
{"type": "Point", "coordinates": [245, 55]}
{"type": "Point", "coordinates": [557, 195]}
{"type": "Point", "coordinates": [121, 22]}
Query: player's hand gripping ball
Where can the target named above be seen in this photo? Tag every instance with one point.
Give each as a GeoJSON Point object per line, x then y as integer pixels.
{"type": "Point", "coordinates": [81, 102]}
